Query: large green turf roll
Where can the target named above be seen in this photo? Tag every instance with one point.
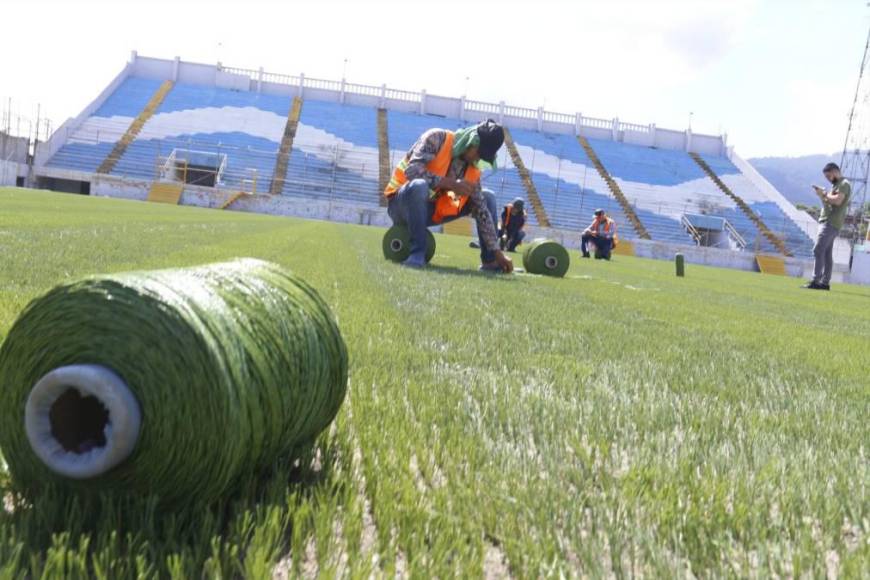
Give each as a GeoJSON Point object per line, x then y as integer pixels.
{"type": "Point", "coordinates": [171, 382]}
{"type": "Point", "coordinates": [546, 257]}
{"type": "Point", "coordinates": [397, 244]}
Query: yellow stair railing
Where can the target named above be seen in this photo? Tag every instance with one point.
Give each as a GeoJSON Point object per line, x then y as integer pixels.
{"type": "Point", "coordinates": [744, 207]}
{"type": "Point", "coordinates": [135, 127]}
{"type": "Point", "coordinates": [233, 199]}
{"type": "Point", "coordinates": [627, 209]}
{"type": "Point", "coordinates": [770, 264]}
{"type": "Point", "coordinates": [165, 192]}
{"type": "Point", "coordinates": [526, 177]}
{"type": "Point", "coordinates": [384, 169]}
{"type": "Point", "coordinates": [283, 160]}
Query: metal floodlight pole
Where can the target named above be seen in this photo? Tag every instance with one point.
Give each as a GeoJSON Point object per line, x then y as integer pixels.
{"type": "Point", "coordinates": [855, 160]}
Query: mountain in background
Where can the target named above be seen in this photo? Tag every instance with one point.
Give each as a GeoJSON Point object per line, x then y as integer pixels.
{"type": "Point", "coordinates": [794, 176]}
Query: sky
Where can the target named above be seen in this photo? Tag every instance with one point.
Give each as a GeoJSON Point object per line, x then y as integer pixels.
{"type": "Point", "coordinates": [778, 76]}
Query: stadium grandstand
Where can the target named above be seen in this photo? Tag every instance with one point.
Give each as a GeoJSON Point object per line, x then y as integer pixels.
{"type": "Point", "coordinates": [215, 136]}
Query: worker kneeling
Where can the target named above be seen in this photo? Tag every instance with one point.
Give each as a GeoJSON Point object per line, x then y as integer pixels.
{"type": "Point", "coordinates": [438, 181]}
{"type": "Point", "coordinates": [513, 220]}
{"type": "Point", "coordinates": [602, 233]}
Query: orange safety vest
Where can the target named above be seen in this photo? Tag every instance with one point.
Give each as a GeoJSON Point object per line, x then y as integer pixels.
{"type": "Point", "coordinates": [507, 215]}
{"type": "Point", "coordinates": [608, 225]}
{"type": "Point", "coordinates": [447, 203]}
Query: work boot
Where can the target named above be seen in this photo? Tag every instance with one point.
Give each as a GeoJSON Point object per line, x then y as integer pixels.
{"type": "Point", "coordinates": [416, 262]}
{"type": "Point", "coordinates": [586, 255]}
{"type": "Point", "coordinates": [811, 285]}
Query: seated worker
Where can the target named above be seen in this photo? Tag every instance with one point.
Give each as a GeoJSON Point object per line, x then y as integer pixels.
{"type": "Point", "coordinates": [513, 220]}
{"type": "Point", "coordinates": [602, 232]}
{"type": "Point", "coordinates": [438, 181]}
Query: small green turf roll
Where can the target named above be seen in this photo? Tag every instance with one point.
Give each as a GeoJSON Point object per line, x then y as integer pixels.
{"type": "Point", "coordinates": [680, 263]}
{"type": "Point", "coordinates": [177, 383]}
{"type": "Point", "coordinates": [397, 244]}
{"type": "Point", "coordinates": [546, 257]}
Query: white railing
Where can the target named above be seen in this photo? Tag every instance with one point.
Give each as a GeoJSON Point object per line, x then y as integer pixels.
{"type": "Point", "coordinates": [399, 95]}
{"type": "Point", "coordinates": [594, 123]}
{"type": "Point", "coordinates": [633, 127]}
{"type": "Point", "coordinates": [365, 90]}
{"type": "Point", "coordinates": [482, 107]}
{"type": "Point", "coordinates": [521, 112]}
{"type": "Point", "coordinates": [322, 84]}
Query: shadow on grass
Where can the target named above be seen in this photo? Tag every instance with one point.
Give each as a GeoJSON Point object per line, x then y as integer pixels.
{"type": "Point", "coordinates": [124, 531]}
{"type": "Point", "coordinates": [467, 273]}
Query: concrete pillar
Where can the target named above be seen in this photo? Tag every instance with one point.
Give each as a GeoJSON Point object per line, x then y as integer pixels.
{"type": "Point", "coordinates": [133, 56]}
{"type": "Point", "coordinates": [501, 112]}
{"type": "Point", "coordinates": [175, 65]}
{"type": "Point", "coordinates": [384, 96]}
{"type": "Point", "coordinates": [652, 134]}
{"type": "Point", "coordinates": [578, 123]}
{"type": "Point", "coordinates": [614, 129]}
{"type": "Point", "coordinates": [462, 108]}
{"type": "Point", "coordinates": [343, 91]}
{"type": "Point", "coordinates": [688, 139]}
{"type": "Point", "coordinates": [301, 90]}
{"type": "Point", "coordinates": [540, 118]}
{"type": "Point", "coordinates": [260, 80]}
{"type": "Point", "coordinates": [423, 102]}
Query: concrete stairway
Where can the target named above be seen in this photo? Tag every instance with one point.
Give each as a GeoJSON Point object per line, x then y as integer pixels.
{"type": "Point", "coordinates": [135, 127]}
{"type": "Point", "coordinates": [233, 199]}
{"type": "Point", "coordinates": [384, 168]}
{"type": "Point", "coordinates": [627, 209]}
{"type": "Point", "coordinates": [165, 192]}
{"type": "Point", "coordinates": [283, 160]}
{"type": "Point", "coordinates": [525, 176]}
{"type": "Point", "coordinates": [744, 207]}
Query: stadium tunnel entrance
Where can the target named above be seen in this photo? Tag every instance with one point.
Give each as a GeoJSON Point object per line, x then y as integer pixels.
{"type": "Point", "coordinates": [64, 185]}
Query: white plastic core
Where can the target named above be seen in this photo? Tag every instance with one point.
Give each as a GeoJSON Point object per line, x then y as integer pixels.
{"type": "Point", "coordinates": [396, 245]}
{"type": "Point", "coordinates": [551, 262]}
{"type": "Point", "coordinates": [82, 420]}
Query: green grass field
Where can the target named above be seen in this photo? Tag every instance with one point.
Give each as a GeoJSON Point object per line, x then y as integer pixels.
{"type": "Point", "coordinates": [620, 421]}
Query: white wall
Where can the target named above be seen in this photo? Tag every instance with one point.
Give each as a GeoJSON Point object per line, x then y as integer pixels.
{"type": "Point", "coordinates": [9, 171]}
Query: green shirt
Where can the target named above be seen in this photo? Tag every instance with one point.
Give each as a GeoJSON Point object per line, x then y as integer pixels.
{"type": "Point", "coordinates": [835, 215]}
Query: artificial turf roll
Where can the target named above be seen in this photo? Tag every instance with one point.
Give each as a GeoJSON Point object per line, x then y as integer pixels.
{"type": "Point", "coordinates": [170, 382]}
{"type": "Point", "coordinates": [546, 257]}
{"type": "Point", "coordinates": [397, 244]}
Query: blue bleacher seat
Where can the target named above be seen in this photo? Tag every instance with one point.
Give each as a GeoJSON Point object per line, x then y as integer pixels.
{"type": "Point", "coordinates": [335, 158]}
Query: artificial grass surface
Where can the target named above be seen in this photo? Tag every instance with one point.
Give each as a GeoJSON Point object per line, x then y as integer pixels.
{"type": "Point", "coordinates": [620, 420]}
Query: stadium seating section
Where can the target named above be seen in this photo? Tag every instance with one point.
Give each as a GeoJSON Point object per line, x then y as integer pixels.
{"type": "Point", "coordinates": [335, 158]}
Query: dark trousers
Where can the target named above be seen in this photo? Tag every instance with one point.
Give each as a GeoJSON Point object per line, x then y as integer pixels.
{"type": "Point", "coordinates": [603, 244]}
{"type": "Point", "coordinates": [823, 252]}
{"type": "Point", "coordinates": [411, 207]}
{"type": "Point", "coordinates": [514, 240]}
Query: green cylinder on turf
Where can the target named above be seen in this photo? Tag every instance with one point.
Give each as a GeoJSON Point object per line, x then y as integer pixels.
{"type": "Point", "coordinates": [227, 367]}
{"type": "Point", "coordinates": [396, 244]}
{"type": "Point", "coordinates": [547, 258]}
{"type": "Point", "coordinates": [680, 262]}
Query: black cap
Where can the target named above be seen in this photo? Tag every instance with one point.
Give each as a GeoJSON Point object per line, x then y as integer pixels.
{"type": "Point", "coordinates": [491, 139]}
{"type": "Point", "coordinates": [518, 203]}
{"type": "Point", "coordinates": [599, 211]}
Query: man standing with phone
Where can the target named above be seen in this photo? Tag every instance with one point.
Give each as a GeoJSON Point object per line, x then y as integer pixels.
{"type": "Point", "coordinates": [835, 204]}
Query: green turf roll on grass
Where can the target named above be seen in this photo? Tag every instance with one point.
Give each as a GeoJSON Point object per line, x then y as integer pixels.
{"type": "Point", "coordinates": [397, 244]}
{"type": "Point", "coordinates": [172, 382]}
{"type": "Point", "coordinates": [546, 257]}
{"type": "Point", "coordinates": [680, 262]}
